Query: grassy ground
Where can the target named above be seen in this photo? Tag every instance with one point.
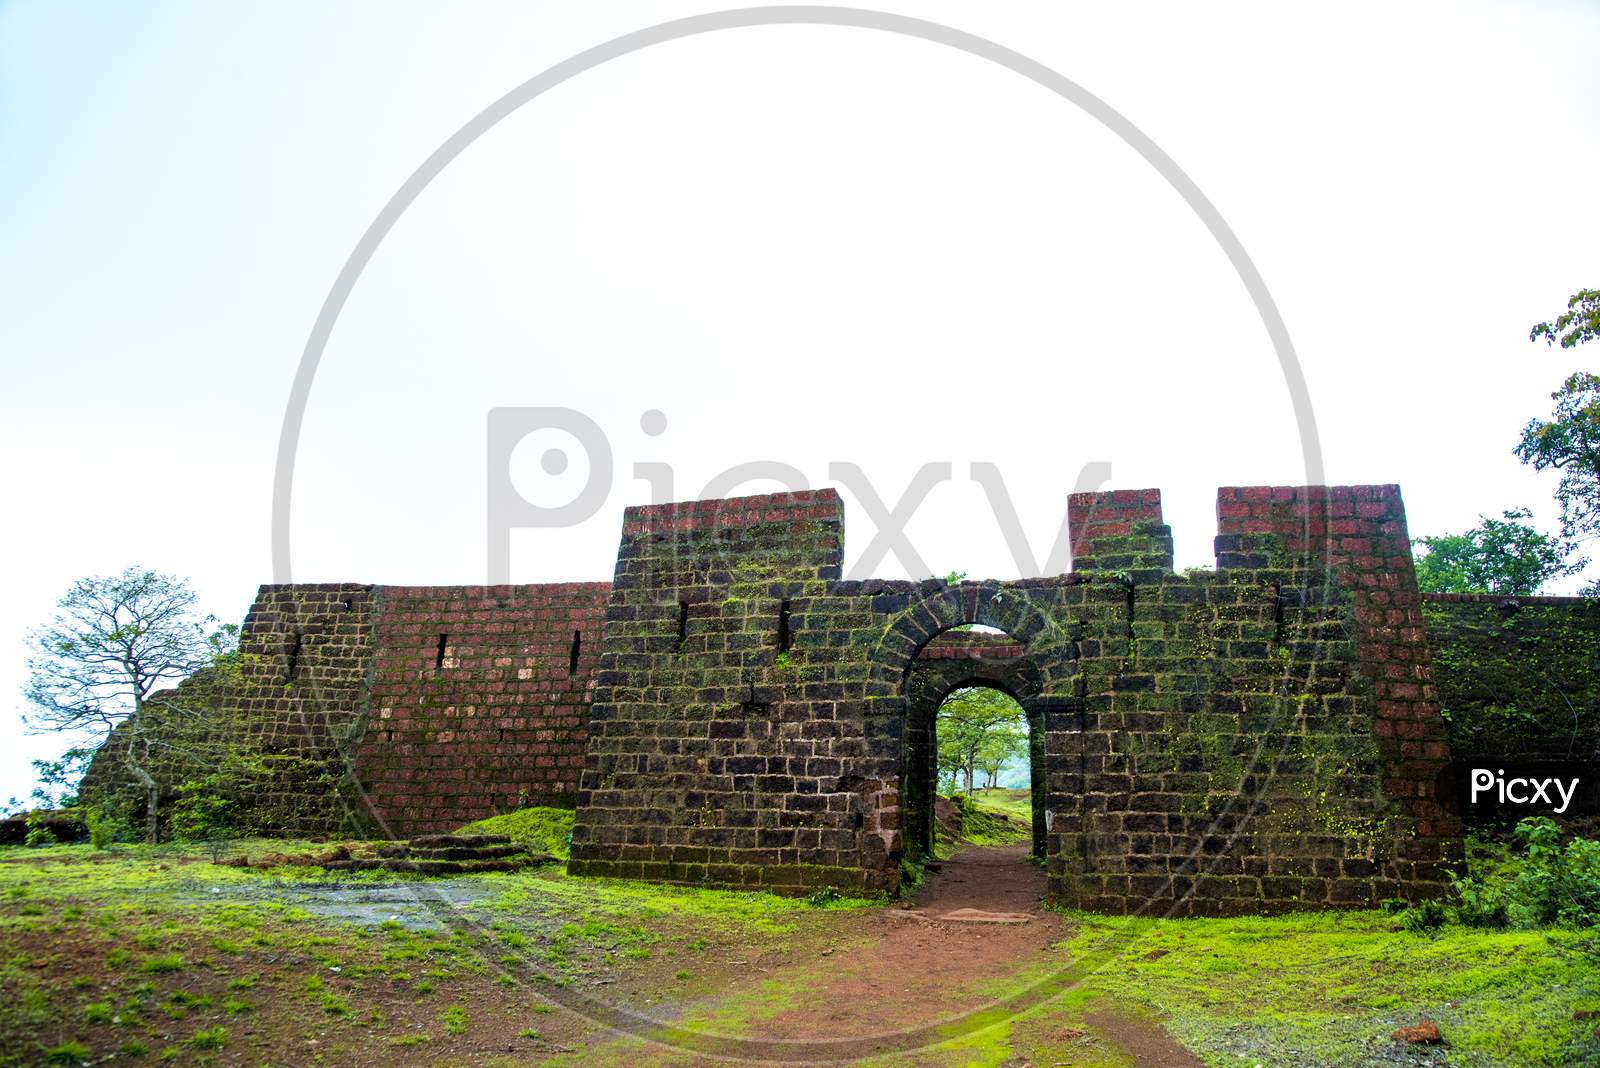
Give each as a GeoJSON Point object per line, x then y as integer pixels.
{"type": "Point", "coordinates": [1015, 803]}
{"type": "Point", "coordinates": [987, 817]}
{"type": "Point", "coordinates": [1328, 988]}
{"type": "Point", "coordinates": [544, 830]}
{"type": "Point", "coordinates": [150, 955]}
{"type": "Point", "coordinates": [144, 956]}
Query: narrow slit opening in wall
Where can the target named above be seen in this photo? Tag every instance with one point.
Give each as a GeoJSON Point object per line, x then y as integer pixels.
{"type": "Point", "coordinates": [438, 656]}
{"type": "Point", "coordinates": [1277, 614]}
{"type": "Point", "coordinates": [1130, 618]}
{"type": "Point", "coordinates": [292, 668]}
{"type": "Point", "coordinates": [784, 634]}
{"type": "Point", "coordinates": [683, 624]}
{"type": "Point", "coordinates": [572, 655]}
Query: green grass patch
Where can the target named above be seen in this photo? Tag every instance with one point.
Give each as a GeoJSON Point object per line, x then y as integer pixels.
{"type": "Point", "coordinates": [161, 964]}
{"type": "Point", "coordinates": [210, 1038]}
{"type": "Point", "coordinates": [73, 1052]}
{"type": "Point", "coordinates": [544, 830]}
{"type": "Point", "coordinates": [624, 903]}
{"type": "Point", "coordinates": [1017, 804]}
{"type": "Point", "coordinates": [985, 824]}
{"type": "Point", "coordinates": [1328, 988]}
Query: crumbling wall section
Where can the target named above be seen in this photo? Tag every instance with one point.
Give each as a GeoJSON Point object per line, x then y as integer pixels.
{"type": "Point", "coordinates": [274, 729]}
{"type": "Point", "coordinates": [346, 713]}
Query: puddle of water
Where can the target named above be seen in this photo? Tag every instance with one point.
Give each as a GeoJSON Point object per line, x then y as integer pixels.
{"type": "Point", "coordinates": [419, 906]}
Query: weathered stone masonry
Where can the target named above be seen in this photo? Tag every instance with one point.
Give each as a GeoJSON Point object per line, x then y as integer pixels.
{"type": "Point", "coordinates": [1258, 737]}
{"type": "Point", "coordinates": [1519, 683]}
{"type": "Point", "coordinates": [733, 712]}
{"type": "Point", "coordinates": [479, 701]}
{"type": "Point", "coordinates": [399, 710]}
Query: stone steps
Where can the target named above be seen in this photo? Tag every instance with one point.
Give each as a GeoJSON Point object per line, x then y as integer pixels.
{"type": "Point", "coordinates": [445, 854]}
{"type": "Point", "coordinates": [407, 866]}
{"type": "Point", "coordinates": [492, 852]}
{"type": "Point", "coordinates": [432, 841]}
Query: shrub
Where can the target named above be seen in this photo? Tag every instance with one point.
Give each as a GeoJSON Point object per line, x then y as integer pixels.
{"type": "Point", "coordinates": [1479, 904]}
{"type": "Point", "coordinates": [204, 813]}
{"type": "Point", "coordinates": [1556, 884]}
{"type": "Point", "coordinates": [822, 896]}
{"type": "Point", "coordinates": [39, 833]}
{"type": "Point", "coordinates": [1550, 884]}
{"type": "Point", "coordinates": [106, 827]}
{"type": "Point", "coordinates": [1424, 916]}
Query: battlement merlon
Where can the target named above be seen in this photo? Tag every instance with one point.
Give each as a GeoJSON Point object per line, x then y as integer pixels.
{"type": "Point", "coordinates": [688, 550]}
{"type": "Point", "coordinates": [726, 512]}
{"type": "Point", "coordinates": [1119, 530]}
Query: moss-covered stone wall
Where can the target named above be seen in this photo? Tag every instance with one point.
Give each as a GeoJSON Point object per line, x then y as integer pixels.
{"type": "Point", "coordinates": [276, 728]}
{"type": "Point", "coordinates": [1256, 738]}
{"type": "Point", "coordinates": [383, 710]}
{"type": "Point", "coordinates": [730, 711]}
{"type": "Point", "coordinates": [1519, 683]}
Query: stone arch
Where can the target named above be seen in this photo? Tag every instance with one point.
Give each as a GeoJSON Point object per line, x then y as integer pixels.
{"type": "Point", "coordinates": [932, 611]}
{"type": "Point", "coordinates": [1031, 616]}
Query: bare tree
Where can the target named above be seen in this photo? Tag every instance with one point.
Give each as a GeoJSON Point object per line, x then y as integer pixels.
{"type": "Point", "coordinates": [114, 642]}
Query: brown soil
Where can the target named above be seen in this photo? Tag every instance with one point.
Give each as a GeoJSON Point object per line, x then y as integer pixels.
{"type": "Point", "coordinates": [890, 979]}
{"type": "Point", "coordinates": [1144, 1041]}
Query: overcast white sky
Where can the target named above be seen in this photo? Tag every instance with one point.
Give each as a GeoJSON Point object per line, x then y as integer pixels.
{"type": "Point", "coordinates": [809, 245]}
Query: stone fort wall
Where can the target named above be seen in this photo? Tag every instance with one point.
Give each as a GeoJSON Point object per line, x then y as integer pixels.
{"type": "Point", "coordinates": [394, 710]}
{"type": "Point", "coordinates": [730, 711]}
{"type": "Point", "coordinates": [1519, 684]}
{"type": "Point", "coordinates": [1263, 736]}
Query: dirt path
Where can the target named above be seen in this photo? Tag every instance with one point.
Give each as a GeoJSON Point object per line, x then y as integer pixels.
{"type": "Point", "coordinates": [891, 977]}
{"type": "Point", "coordinates": [991, 878]}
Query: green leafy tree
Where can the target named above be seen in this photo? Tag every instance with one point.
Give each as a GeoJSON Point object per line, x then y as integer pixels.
{"type": "Point", "coordinates": [99, 665]}
{"type": "Point", "coordinates": [1008, 742]}
{"type": "Point", "coordinates": [969, 722]}
{"type": "Point", "coordinates": [1579, 323]}
{"type": "Point", "coordinates": [1504, 556]}
{"type": "Point", "coordinates": [1569, 441]}
{"type": "Point", "coordinates": [58, 779]}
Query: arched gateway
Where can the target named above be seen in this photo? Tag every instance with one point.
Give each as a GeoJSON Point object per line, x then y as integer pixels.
{"type": "Point", "coordinates": [952, 661]}
{"type": "Point", "coordinates": [730, 711]}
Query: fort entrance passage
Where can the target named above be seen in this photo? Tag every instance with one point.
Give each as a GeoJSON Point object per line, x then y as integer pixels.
{"type": "Point", "coordinates": [952, 662]}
